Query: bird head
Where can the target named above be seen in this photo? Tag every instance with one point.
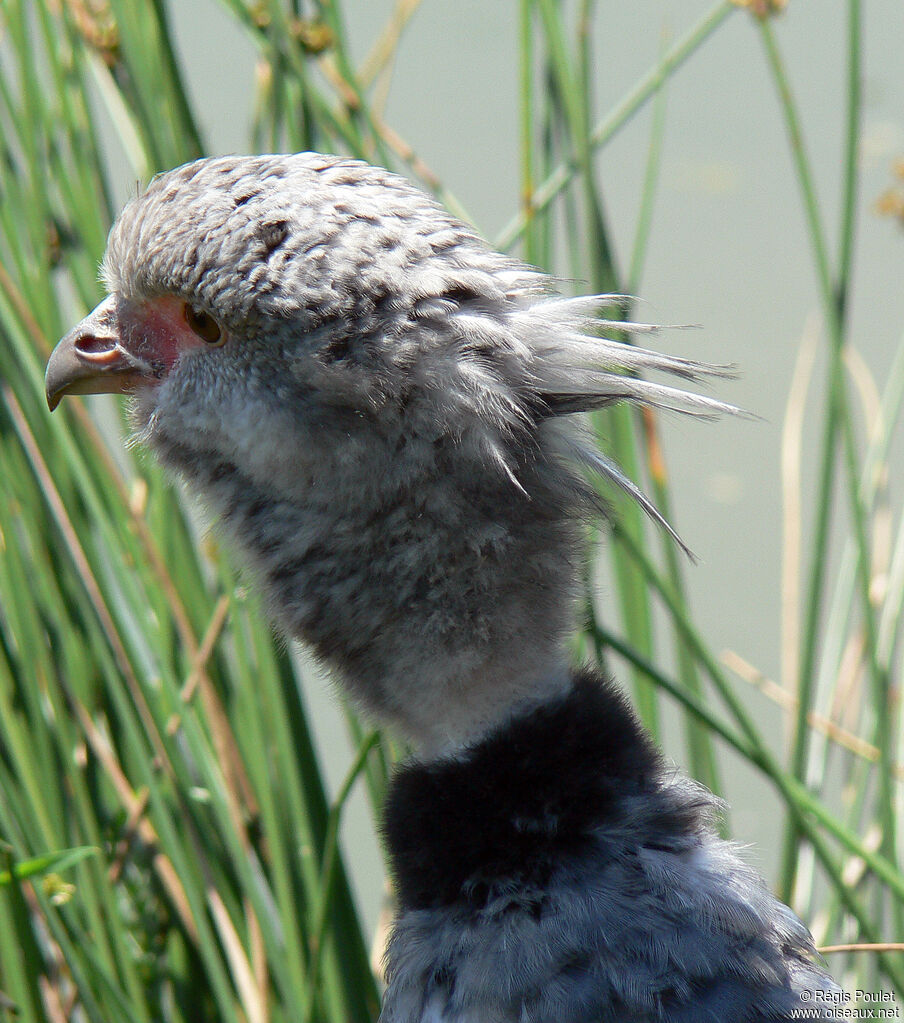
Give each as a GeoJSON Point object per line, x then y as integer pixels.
{"type": "Point", "coordinates": [376, 406]}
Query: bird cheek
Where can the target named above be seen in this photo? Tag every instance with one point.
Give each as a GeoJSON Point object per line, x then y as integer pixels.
{"type": "Point", "coordinates": [159, 334]}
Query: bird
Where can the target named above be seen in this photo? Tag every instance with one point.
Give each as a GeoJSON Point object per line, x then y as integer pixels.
{"type": "Point", "coordinates": [384, 416]}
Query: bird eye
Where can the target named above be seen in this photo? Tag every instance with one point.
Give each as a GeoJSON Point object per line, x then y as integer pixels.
{"type": "Point", "coordinates": [204, 325]}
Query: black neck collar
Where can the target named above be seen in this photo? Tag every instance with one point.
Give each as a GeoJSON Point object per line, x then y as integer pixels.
{"type": "Point", "coordinates": [519, 802]}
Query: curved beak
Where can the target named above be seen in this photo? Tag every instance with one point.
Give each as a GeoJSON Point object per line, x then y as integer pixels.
{"type": "Point", "coordinates": [91, 359]}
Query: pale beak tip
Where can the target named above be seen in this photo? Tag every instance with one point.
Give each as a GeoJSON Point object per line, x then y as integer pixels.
{"type": "Point", "coordinates": [63, 368]}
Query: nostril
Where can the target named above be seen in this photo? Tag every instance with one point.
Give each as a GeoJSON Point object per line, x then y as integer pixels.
{"type": "Point", "coordinates": [97, 349]}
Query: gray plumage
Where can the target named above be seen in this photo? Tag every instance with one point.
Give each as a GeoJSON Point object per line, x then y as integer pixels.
{"type": "Point", "coordinates": [377, 408]}
{"type": "Point", "coordinates": [646, 929]}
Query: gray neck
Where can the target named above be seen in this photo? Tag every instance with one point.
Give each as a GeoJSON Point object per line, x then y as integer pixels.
{"type": "Point", "coordinates": [442, 605]}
